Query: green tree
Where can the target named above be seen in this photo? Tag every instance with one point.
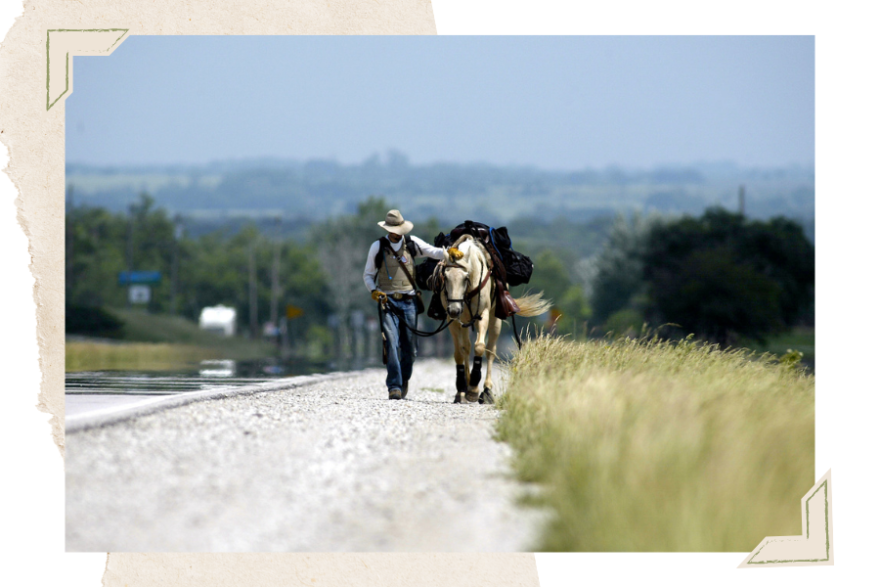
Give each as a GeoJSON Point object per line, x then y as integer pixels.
{"type": "Point", "coordinates": [151, 247]}
{"type": "Point", "coordinates": [614, 277]}
{"type": "Point", "coordinates": [95, 256]}
{"type": "Point", "coordinates": [102, 244]}
{"type": "Point", "coordinates": [722, 276]}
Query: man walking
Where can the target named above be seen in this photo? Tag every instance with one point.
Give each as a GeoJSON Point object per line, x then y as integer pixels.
{"type": "Point", "coordinates": [390, 276]}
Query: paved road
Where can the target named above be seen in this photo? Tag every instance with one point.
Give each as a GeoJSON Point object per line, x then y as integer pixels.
{"type": "Point", "coordinates": [333, 466]}
{"type": "Point", "coordinates": [90, 403]}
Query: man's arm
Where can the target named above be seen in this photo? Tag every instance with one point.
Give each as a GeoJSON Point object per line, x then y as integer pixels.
{"type": "Point", "coordinates": [427, 250]}
{"type": "Point", "coordinates": [370, 269]}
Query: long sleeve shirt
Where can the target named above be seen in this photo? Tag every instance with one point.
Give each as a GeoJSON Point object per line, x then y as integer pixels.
{"type": "Point", "coordinates": [423, 249]}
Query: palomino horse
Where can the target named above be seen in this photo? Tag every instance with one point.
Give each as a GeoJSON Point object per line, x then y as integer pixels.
{"type": "Point", "coordinates": [468, 296]}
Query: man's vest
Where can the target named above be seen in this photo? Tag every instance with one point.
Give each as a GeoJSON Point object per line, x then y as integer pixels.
{"type": "Point", "coordinates": [391, 278]}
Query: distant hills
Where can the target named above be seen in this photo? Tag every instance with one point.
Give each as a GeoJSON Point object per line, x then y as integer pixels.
{"type": "Point", "coordinates": [302, 192]}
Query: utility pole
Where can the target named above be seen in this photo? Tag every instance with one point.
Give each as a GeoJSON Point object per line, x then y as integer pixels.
{"type": "Point", "coordinates": [276, 269]}
{"type": "Point", "coordinates": [252, 271]}
{"type": "Point", "coordinates": [175, 262]}
{"type": "Point", "coordinates": [130, 252]}
{"type": "Point", "coordinates": [285, 337]}
{"type": "Point", "coordinates": [742, 200]}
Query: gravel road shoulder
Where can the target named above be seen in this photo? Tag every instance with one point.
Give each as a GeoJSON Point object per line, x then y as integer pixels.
{"type": "Point", "coordinates": [333, 466]}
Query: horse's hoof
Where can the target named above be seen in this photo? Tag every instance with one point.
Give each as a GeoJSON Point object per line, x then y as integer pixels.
{"type": "Point", "coordinates": [457, 399]}
{"type": "Point", "coordinates": [472, 396]}
{"type": "Point", "coordinates": [486, 397]}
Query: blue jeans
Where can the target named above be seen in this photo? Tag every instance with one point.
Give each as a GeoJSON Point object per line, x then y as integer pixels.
{"type": "Point", "coordinates": [401, 343]}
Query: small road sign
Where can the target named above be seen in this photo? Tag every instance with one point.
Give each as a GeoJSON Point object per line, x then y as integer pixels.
{"type": "Point", "coordinates": [130, 277]}
{"type": "Point", "coordinates": [294, 312]}
{"type": "Point", "coordinates": [139, 294]}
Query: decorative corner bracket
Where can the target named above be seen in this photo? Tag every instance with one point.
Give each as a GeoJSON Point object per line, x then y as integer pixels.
{"type": "Point", "coordinates": [61, 44]}
{"type": "Point", "coordinates": [814, 547]}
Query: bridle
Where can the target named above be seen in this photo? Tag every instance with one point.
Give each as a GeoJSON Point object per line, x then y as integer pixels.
{"type": "Point", "coordinates": [443, 266]}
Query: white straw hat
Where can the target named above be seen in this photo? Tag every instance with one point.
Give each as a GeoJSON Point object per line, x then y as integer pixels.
{"type": "Point", "coordinates": [395, 223]}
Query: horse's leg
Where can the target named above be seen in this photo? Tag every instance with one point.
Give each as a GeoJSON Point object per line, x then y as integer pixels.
{"type": "Point", "coordinates": [491, 346]}
{"type": "Point", "coordinates": [481, 326]}
{"type": "Point", "coordinates": [461, 350]}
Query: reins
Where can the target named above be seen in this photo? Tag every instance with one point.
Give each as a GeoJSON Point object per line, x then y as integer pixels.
{"type": "Point", "coordinates": [399, 313]}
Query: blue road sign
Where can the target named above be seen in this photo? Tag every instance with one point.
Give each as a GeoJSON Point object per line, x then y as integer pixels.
{"type": "Point", "coordinates": [129, 277]}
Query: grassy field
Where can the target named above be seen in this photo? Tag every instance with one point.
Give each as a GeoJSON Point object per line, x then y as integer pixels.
{"type": "Point", "coordinates": [159, 342]}
{"type": "Point", "coordinates": [101, 356]}
{"type": "Point", "coordinates": [143, 327]}
{"type": "Point", "coordinates": [643, 445]}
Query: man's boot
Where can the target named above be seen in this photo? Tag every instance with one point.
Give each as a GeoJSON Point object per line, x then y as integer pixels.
{"type": "Point", "coordinates": [394, 394]}
{"type": "Point", "coordinates": [404, 390]}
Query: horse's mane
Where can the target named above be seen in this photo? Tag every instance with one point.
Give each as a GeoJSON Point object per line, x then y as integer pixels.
{"type": "Point", "coordinates": [463, 240]}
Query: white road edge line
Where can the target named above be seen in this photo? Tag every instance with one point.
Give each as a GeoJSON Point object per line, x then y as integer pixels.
{"type": "Point", "coordinates": [107, 416]}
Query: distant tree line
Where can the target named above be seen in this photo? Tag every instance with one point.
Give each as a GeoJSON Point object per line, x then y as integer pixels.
{"type": "Point", "coordinates": [315, 190]}
{"type": "Point", "coordinates": [720, 275]}
{"type": "Point", "coordinates": [320, 271]}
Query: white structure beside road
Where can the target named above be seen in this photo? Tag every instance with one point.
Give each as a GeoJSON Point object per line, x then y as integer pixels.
{"type": "Point", "coordinates": [219, 319]}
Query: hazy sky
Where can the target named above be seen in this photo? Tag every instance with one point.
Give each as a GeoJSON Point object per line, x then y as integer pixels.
{"type": "Point", "coordinates": [553, 102]}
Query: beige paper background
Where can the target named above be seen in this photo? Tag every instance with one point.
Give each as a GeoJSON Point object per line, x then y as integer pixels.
{"type": "Point", "coordinates": [322, 570]}
{"type": "Point", "coordinates": [846, 110]}
{"type": "Point", "coordinates": [34, 135]}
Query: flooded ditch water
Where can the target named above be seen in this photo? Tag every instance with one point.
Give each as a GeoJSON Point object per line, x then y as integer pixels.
{"type": "Point", "coordinates": [89, 392]}
{"type": "Point", "coordinates": [205, 375]}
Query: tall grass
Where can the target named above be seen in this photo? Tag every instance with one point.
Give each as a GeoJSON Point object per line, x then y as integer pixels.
{"type": "Point", "coordinates": [646, 445]}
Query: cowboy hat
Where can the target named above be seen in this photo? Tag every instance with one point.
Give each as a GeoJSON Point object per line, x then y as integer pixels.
{"type": "Point", "coordinates": [395, 223]}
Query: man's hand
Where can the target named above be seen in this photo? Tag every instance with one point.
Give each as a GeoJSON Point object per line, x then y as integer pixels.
{"type": "Point", "coordinates": [379, 296]}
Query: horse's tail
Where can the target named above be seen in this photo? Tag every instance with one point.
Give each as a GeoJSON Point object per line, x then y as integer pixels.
{"type": "Point", "coordinates": [533, 305]}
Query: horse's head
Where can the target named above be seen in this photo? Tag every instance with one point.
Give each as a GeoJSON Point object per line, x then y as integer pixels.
{"type": "Point", "coordinates": [456, 273]}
